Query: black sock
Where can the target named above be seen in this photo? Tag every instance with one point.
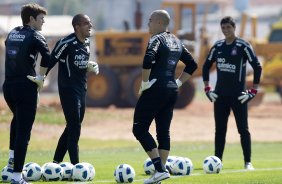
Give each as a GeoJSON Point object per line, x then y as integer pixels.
{"type": "Point", "coordinates": [158, 164]}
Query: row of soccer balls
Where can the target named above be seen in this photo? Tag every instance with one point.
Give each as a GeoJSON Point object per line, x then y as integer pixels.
{"type": "Point", "coordinates": [123, 173]}
{"type": "Point", "coordinates": [184, 166]}
{"type": "Point", "coordinates": [53, 172]}
{"type": "Point", "coordinates": [175, 165]}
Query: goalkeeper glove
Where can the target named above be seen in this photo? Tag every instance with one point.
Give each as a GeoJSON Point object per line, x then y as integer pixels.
{"type": "Point", "coordinates": [211, 94]}
{"type": "Point", "coordinates": [92, 66]}
{"type": "Point", "coordinates": [247, 95]}
{"type": "Point", "coordinates": [178, 83]}
{"type": "Point", "coordinates": [38, 79]}
{"type": "Point", "coordinates": [146, 85]}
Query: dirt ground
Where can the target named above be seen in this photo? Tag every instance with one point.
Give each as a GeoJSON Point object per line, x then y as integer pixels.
{"type": "Point", "coordinates": [194, 123]}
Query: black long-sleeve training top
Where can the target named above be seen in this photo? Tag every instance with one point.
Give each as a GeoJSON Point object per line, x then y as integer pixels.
{"type": "Point", "coordinates": [163, 52]}
{"type": "Point", "coordinates": [231, 60]}
{"type": "Point", "coordinates": [73, 56]}
{"type": "Point", "coordinates": [22, 47]}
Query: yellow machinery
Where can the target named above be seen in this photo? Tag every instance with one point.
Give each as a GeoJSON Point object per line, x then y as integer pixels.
{"type": "Point", "coordinates": [120, 56]}
{"type": "Point", "coordinates": [271, 52]}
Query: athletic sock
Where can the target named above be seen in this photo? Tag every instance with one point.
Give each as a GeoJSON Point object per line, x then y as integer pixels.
{"type": "Point", "coordinates": [158, 164]}
{"type": "Point", "coordinates": [11, 154]}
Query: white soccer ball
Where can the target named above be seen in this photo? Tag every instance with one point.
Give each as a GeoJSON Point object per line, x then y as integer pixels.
{"type": "Point", "coordinates": [124, 173]}
{"type": "Point", "coordinates": [32, 172]}
{"type": "Point", "coordinates": [80, 172]}
{"type": "Point", "coordinates": [52, 172]}
{"type": "Point", "coordinates": [181, 166]}
{"type": "Point", "coordinates": [67, 170]}
{"type": "Point", "coordinates": [6, 174]}
{"type": "Point", "coordinates": [169, 161]}
{"type": "Point", "coordinates": [148, 166]}
{"type": "Point", "coordinates": [91, 169]}
{"type": "Point", "coordinates": [212, 164]}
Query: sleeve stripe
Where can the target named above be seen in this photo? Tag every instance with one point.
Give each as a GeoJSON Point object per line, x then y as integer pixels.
{"type": "Point", "coordinates": [63, 42]}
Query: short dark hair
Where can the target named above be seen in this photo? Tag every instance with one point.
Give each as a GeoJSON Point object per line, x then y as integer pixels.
{"type": "Point", "coordinates": [77, 20]}
{"type": "Point", "coordinates": [228, 20]}
{"type": "Point", "coordinates": [33, 10]}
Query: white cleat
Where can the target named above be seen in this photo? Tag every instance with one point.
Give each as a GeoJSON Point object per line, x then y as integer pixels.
{"type": "Point", "coordinates": [249, 166]}
{"type": "Point", "coordinates": [157, 177]}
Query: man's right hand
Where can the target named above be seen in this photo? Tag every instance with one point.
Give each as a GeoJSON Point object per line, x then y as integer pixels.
{"type": "Point", "coordinates": [146, 85]}
{"type": "Point", "coordinates": [211, 94]}
{"type": "Point", "coordinates": [38, 79]}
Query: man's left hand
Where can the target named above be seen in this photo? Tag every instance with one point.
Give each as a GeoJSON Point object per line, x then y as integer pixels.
{"type": "Point", "coordinates": [92, 66]}
{"type": "Point", "coordinates": [247, 95]}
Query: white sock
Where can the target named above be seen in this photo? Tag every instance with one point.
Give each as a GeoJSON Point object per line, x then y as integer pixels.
{"type": "Point", "coordinates": [11, 154]}
{"type": "Point", "coordinates": [17, 176]}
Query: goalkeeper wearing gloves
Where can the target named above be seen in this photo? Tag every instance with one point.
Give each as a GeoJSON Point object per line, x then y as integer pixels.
{"type": "Point", "coordinates": [159, 90]}
{"type": "Point", "coordinates": [72, 53]}
{"type": "Point", "coordinates": [231, 56]}
{"type": "Point", "coordinates": [23, 44]}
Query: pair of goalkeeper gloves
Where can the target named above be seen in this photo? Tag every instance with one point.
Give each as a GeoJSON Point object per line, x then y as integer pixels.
{"type": "Point", "coordinates": [245, 96]}
{"type": "Point", "coordinates": [149, 83]}
{"type": "Point", "coordinates": [39, 79]}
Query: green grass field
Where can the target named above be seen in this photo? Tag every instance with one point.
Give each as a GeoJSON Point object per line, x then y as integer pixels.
{"type": "Point", "coordinates": [106, 155]}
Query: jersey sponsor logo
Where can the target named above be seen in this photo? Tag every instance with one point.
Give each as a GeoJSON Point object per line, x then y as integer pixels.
{"type": "Point", "coordinates": [225, 67]}
{"type": "Point", "coordinates": [80, 61]}
{"type": "Point", "coordinates": [61, 51]}
{"type": "Point", "coordinates": [16, 36]}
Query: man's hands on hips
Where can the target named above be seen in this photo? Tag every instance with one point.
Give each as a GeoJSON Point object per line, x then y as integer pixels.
{"type": "Point", "coordinates": [247, 95]}
{"type": "Point", "coordinates": [146, 85]}
{"type": "Point", "coordinates": [92, 66]}
{"type": "Point", "coordinates": [212, 96]}
{"type": "Point", "coordinates": [38, 79]}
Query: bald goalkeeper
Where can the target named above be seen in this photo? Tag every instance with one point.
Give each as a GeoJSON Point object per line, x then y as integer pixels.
{"type": "Point", "coordinates": [159, 91]}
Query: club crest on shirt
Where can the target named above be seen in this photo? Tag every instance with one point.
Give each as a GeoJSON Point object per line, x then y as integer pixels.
{"type": "Point", "coordinates": [234, 51]}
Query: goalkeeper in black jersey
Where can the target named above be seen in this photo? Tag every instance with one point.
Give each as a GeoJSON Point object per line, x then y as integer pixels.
{"type": "Point", "coordinates": [231, 56]}
{"type": "Point", "coordinates": [72, 53]}
{"type": "Point", "coordinates": [22, 83]}
{"type": "Point", "coordinates": [159, 91]}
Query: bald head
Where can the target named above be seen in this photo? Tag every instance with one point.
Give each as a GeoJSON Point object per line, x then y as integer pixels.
{"type": "Point", "coordinates": [163, 16]}
{"type": "Point", "coordinates": [158, 21]}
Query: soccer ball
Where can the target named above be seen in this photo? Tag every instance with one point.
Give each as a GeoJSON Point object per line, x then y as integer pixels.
{"type": "Point", "coordinates": [32, 172]}
{"type": "Point", "coordinates": [67, 169]}
{"type": "Point", "coordinates": [169, 161]}
{"type": "Point", "coordinates": [124, 173]}
{"type": "Point", "coordinates": [212, 164]}
{"type": "Point", "coordinates": [149, 167]}
{"type": "Point", "coordinates": [80, 172]}
{"type": "Point", "coordinates": [91, 169]}
{"type": "Point", "coordinates": [181, 166]}
{"type": "Point", "coordinates": [52, 172]}
{"type": "Point", "coordinates": [6, 174]}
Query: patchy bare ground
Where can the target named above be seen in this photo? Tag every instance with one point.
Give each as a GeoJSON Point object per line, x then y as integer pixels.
{"type": "Point", "coordinates": [194, 123]}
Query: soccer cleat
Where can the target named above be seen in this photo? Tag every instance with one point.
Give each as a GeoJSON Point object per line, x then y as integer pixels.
{"type": "Point", "coordinates": [11, 163]}
{"type": "Point", "coordinates": [22, 181]}
{"type": "Point", "coordinates": [249, 166]}
{"type": "Point", "coordinates": [157, 177]}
